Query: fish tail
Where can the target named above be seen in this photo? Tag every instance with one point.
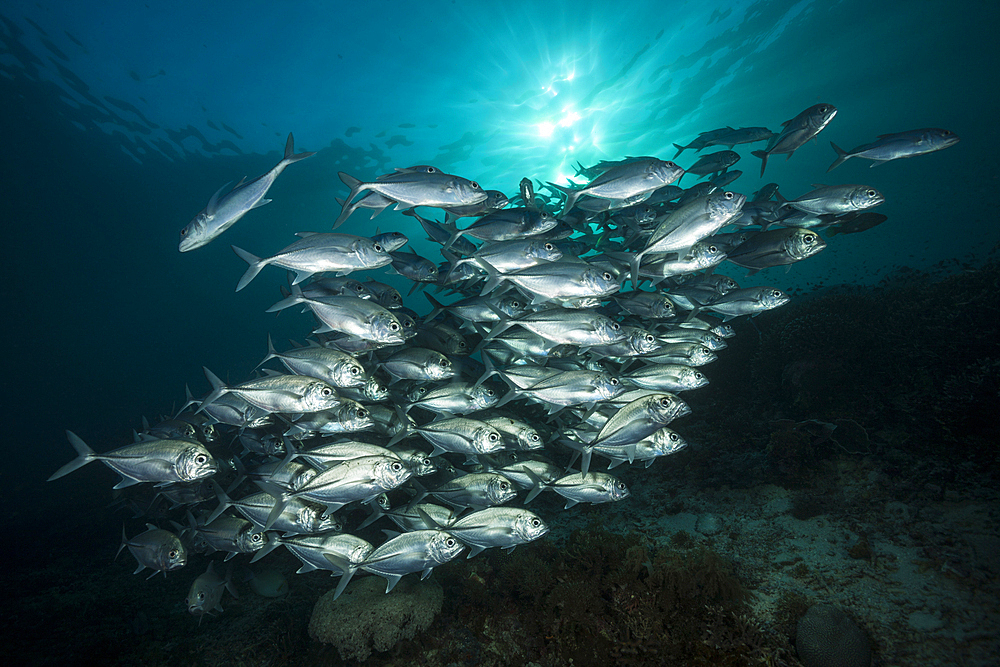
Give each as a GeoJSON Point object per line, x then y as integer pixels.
{"type": "Point", "coordinates": [287, 302]}
{"type": "Point", "coordinates": [841, 157]}
{"type": "Point", "coordinates": [290, 155]}
{"type": "Point", "coordinates": [346, 208]}
{"type": "Point", "coordinates": [680, 149]}
{"type": "Point", "coordinates": [271, 352]}
{"type": "Point", "coordinates": [218, 389]}
{"type": "Point", "coordinates": [255, 265]}
{"type": "Point", "coordinates": [123, 544]}
{"type": "Point", "coordinates": [763, 159]}
{"type": "Point", "coordinates": [344, 566]}
{"type": "Point", "coordinates": [86, 455]}
{"type": "Point", "coordinates": [224, 502]}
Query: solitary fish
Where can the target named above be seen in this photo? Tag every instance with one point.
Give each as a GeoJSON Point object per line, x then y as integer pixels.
{"type": "Point", "coordinates": [898, 145]}
{"type": "Point", "coordinates": [223, 212]}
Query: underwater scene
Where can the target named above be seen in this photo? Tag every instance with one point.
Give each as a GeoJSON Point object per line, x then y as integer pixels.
{"type": "Point", "coordinates": [474, 334]}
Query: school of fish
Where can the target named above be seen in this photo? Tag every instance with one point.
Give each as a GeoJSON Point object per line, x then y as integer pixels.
{"type": "Point", "coordinates": [583, 312]}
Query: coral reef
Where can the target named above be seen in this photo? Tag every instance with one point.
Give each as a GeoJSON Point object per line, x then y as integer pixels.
{"type": "Point", "coordinates": [365, 619]}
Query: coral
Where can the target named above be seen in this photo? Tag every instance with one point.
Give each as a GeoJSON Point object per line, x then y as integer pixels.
{"type": "Point", "coordinates": [365, 618]}
{"type": "Point", "coordinates": [827, 637]}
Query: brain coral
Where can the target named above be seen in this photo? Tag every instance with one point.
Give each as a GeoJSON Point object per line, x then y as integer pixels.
{"type": "Point", "coordinates": [827, 637]}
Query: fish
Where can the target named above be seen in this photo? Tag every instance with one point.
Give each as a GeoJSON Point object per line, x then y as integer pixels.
{"type": "Point", "coordinates": [316, 253]}
{"type": "Point", "coordinates": [158, 549]}
{"type": "Point", "coordinates": [291, 394]}
{"type": "Point", "coordinates": [747, 301]}
{"type": "Point", "coordinates": [713, 163]}
{"type": "Point", "coordinates": [205, 595]}
{"type": "Point", "coordinates": [409, 189]}
{"type": "Point", "coordinates": [222, 212]}
{"type": "Point", "coordinates": [417, 551]}
{"type": "Point", "coordinates": [796, 132]}
{"type": "Point", "coordinates": [837, 199]}
{"type": "Point", "coordinates": [858, 222]}
{"type": "Point", "coordinates": [897, 145]}
{"type": "Point", "coordinates": [504, 527]}
{"type": "Point", "coordinates": [776, 247]}
{"type": "Point", "coordinates": [627, 179]}
{"type": "Point", "coordinates": [156, 460]}
{"type": "Point", "coordinates": [358, 318]}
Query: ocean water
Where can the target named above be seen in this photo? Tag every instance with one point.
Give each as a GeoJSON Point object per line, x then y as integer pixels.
{"type": "Point", "coordinates": [122, 119]}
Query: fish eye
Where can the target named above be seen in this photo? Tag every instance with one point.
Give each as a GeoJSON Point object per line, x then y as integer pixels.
{"type": "Point", "coordinates": [536, 523]}
{"type": "Point", "coordinates": [359, 288]}
{"type": "Point", "coordinates": [396, 466]}
{"type": "Point", "coordinates": [808, 238]}
{"type": "Point", "coordinates": [256, 537]}
{"type": "Point", "coordinates": [621, 485]}
{"type": "Point", "coordinates": [665, 401]}
{"type": "Point", "coordinates": [431, 170]}
{"type": "Point", "coordinates": [475, 186]}
{"type": "Point", "coordinates": [650, 338]}
{"type": "Point", "coordinates": [729, 195]}
{"type": "Point", "coordinates": [871, 193]}
{"type": "Point", "coordinates": [184, 231]}
{"type": "Point", "coordinates": [673, 436]}
{"type": "Point", "coordinates": [394, 327]}
{"type": "Point", "coordinates": [450, 542]}
{"type": "Point", "coordinates": [535, 437]}
{"type": "Point", "coordinates": [378, 248]}
{"type": "Point", "coordinates": [504, 486]}
{"type": "Point", "coordinates": [201, 458]}
{"type": "Point", "coordinates": [201, 596]}
{"type": "Point", "coordinates": [823, 109]}
{"type": "Point", "coordinates": [327, 391]}
{"type": "Point", "coordinates": [445, 363]}
{"type": "Point", "coordinates": [462, 344]}
{"type": "Point", "coordinates": [490, 392]}
{"type": "Point", "coordinates": [712, 248]}
{"type": "Point", "coordinates": [355, 370]}
{"type": "Point", "coordinates": [615, 326]}
{"type": "Point", "coordinates": [425, 461]}
{"type": "Point", "coordinates": [494, 437]}
{"type": "Point", "coordinates": [362, 413]}
{"type": "Point", "coordinates": [607, 276]}
{"type": "Point", "coordinates": [549, 246]}
{"type": "Point", "coordinates": [173, 553]}
{"type": "Point", "coordinates": [775, 293]}
{"type": "Point", "coordinates": [614, 382]}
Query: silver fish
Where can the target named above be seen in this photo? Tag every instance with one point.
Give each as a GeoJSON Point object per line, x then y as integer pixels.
{"type": "Point", "coordinates": [223, 212]}
{"type": "Point", "coordinates": [627, 179]}
{"type": "Point", "coordinates": [898, 145]}
{"type": "Point", "coordinates": [797, 131]}
{"type": "Point", "coordinates": [337, 368]}
{"type": "Point", "coordinates": [158, 549]}
{"type": "Point", "coordinates": [747, 301]}
{"type": "Point", "coordinates": [415, 188]}
{"type": "Point", "coordinates": [205, 594]}
{"type": "Point", "coordinates": [837, 199]}
{"type": "Point", "coordinates": [347, 314]}
{"type": "Point", "coordinates": [419, 551]}
{"type": "Point", "coordinates": [288, 394]}
{"type": "Point", "coordinates": [161, 461]}
{"type": "Point", "coordinates": [316, 253]}
{"type": "Point", "coordinates": [776, 247]}
{"type": "Point", "coordinates": [503, 527]}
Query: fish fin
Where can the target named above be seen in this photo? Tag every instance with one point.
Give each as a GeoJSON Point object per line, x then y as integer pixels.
{"type": "Point", "coordinates": [290, 155]}
{"type": "Point", "coordinates": [680, 149]}
{"type": "Point", "coordinates": [763, 159]}
{"type": "Point", "coordinates": [841, 157]}
{"type": "Point", "coordinates": [213, 203]}
{"type": "Point", "coordinates": [255, 265]}
{"type": "Point", "coordinates": [570, 503]}
{"type": "Point", "coordinates": [279, 507]}
{"type": "Point", "coordinates": [86, 455]}
{"type": "Point", "coordinates": [123, 544]}
{"type": "Point", "coordinates": [288, 302]}
{"type": "Point", "coordinates": [218, 389]}
{"type": "Point", "coordinates": [475, 550]}
{"type": "Point", "coordinates": [265, 550]}
{"type": "Point", "coordinates": [259, 203]}
{"type": "Point", "coordinates": [355, 186]}
{"type": "Point", "coordinates": [393, 579]}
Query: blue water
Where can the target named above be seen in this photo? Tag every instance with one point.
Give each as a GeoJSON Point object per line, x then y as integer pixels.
{"type": "Point", "coordinates": [122, 120]}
